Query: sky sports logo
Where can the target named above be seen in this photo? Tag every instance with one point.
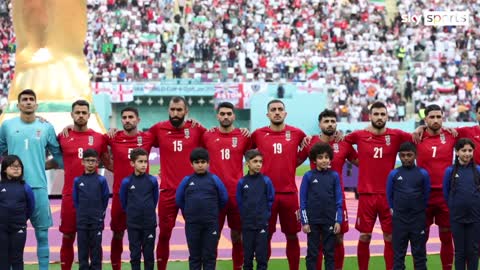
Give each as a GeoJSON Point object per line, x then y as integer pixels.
{"type": "Point", "coordinates": [438, 18]}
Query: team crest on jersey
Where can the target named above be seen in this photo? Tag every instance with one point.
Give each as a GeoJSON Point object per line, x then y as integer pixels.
{"type": "Point", "coordinates": [288, 135]}
{"type": "Point", "coordinates": [90, 140]}
{"type": "Point", "coordinates": [187, 133]}
{"type": "Point", "coordinates": [38, 134]}
{"type": "Point", "coordinates": [336, 148]}
{"type": "Point", "coordinates": [234, 142]}
{"type": "Point", "coordinates": [139, 141]}
{"type": "Point", "coordinates": [387, 140]}
{"type": "Point", "coordinates": [443, 140]}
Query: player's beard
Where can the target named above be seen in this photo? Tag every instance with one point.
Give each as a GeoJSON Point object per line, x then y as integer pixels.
{"type": "Point", "coordinates": [129, 127]}
{"type": "Point", "coordinates": [328, 132]}
{"type": "Point", "coordinates": [226, 123]}
{"type": "Point", "coordinates": [434, 128]}
{"type": "Point", "coordinates": [176, 121]}
{"type": "Point", "coordinates": [277, 122]}
{"type": "Point", "coordinates": [378, 125]}
{"type": "Point", "coordinates": [80, 124]}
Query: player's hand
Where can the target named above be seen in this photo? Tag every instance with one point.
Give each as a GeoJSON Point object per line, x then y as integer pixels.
{"type": "Point", "coordinates": [306, 228]}
{"type": "Point", "coordinates": [418, 134]}
{"type": "Point", "coordinates": [111, 132]}
{"type": "Point", "coordinates": [451, 131]}
{"type": "Point", "coordinates": [212, 129]}
{"type": "Point", "coordinates": [336, 228]}
{"type": "Point", "coordinates": [194, 122]}
{"type": "Point", "coordinates": [41, 119]}
{"type": "Point", "coordinates": [306, 141]}
{"type": "Point", "coordinates": [338, 136]}
{"type": "Point", "coordinates": [245, 132]}
{"type": "Point", "coordinates": [297, 214]}
{"type": "Point", "coordinates": [66, 129]}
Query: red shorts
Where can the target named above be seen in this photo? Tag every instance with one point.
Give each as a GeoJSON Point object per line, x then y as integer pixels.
{"type": "Point", "coordinates": [68, 216]}
{"type": "Point", "coordinates": [344, 226]}
{"type": "Point", "coordinates": [285, 206]}
{"type": "Point", "coordinates": [437, 209]}
{"type": "Point", "coordinates": [118, 222]}
{"type": "Point", "coordinates": [167, 211]}
{"type": "Point", "coordinates": [369, 206]}
{"type": "Point", "coordinates": [230, 212]}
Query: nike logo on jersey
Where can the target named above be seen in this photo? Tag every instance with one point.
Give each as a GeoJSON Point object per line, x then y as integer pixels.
{"type": "Point", "coordinates": [192, 184]}
{"type": "Point", "coordinates": [400, 178]}
{"type": "Point", "coordinates": [4, 190]}
{"type": "Point", "coordinates": [246, 186]}
{"type": "Point", "coordinates": [81, 184]}
{"type": "Point", "coordinates": [315, 181]}
{"type": "Point", "coordinates": [132, 187]}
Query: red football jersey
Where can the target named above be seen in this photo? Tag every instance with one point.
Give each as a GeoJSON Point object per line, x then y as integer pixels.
{"type": "Point", "coordinates": [121, 145]}
{"type": "Point", "coordinates": [280, 152]}
{"type": "Point", "coordinates": [376, 156]}
{"type": "Point", "coordinates": [473, 133]}
{"type": "Point", "coordinates": [175, 146]}
{"type": "Point", "coordinates": [72, 150]}
{"type": "Point", "coordinates": [435, 154]}
{"type": "Point", "coordinates": [226, 155]}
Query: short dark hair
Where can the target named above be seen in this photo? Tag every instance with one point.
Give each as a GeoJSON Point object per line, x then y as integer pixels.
{"type": "Point", "coordinates": [90, 153]}
{"type": "Point", "coordinates": [251, 154]}
{"type": "Point", "coordinates": [327, 113]}
{"type": "Point", "coordinates": [137, 152]}
{"type": "Point", "coordinates": [29, 92]}
{"type": "Point", "coordinates": [431, 108]}
{"type": "Point", "coordinates": [130, 109]}
{"type": "Point", "coordinates": [80, 102]}
{"type": "Point", "coordinates": [377, 105]}
{"type": "Point", "coordinates": [178, 99]}
{"type": "Point", "coordinates": [320, 148]}
{"type": "Point", "coordinates": [199, 153]}
{"type": "Point", "coordinates": [407, 147]}
{"type": "Point", "coordinates": [6, 162]}
{"type": "Point", "coordinates": [225, 104]}
{"type": "Point", "coordinates": [274, 101]}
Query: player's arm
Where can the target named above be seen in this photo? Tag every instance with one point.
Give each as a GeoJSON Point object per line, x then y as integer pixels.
{"type": "Point", "coordinates": [75, 193]}
{"type": "Point", "coordinates": [222, 191]}
{"type": "Point", "coordinates": [155, 137]}
{"type": "Point", "coordinates": [155, 189]}
{"type": "Point", "coordinates": [352, 155]}
{"type": "Point", "coordinates": [426, 186]}
{"type": "Point", "coordinates": [3, 139]}
{"type": "Point", "coordinates": [302, 144]}
{"type": "Point", "coordinates": [53, 147]}
{"type": "Point", "coordinates": [105, 194]}
{"type": "Point", "coordinates": [352, 138]}
{"type": "Point", "coordinates": [390, 189]}
{"type": "Point", "coordinates": [30, 200]}
{"type": "Point", "coordinates": [123, 193]}
{"type": "Point", "coordinates": [180, 194]}
{"type": "Point", "coordinates": [270, 192]}
{"type": "Point", "coordinates": [338, 199]}
{"type": "Point", "coordinates": [304, 197]}
{"type": "Point", "coordinates": [447, 178]}
{"type": "Point", "coordinates": [303, 154]}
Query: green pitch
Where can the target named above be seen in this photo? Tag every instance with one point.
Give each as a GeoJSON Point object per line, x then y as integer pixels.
{"type": "Point", "coordinates": [350, 264]}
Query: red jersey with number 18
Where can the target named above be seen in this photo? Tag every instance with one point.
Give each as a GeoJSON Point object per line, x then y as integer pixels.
{"type": "Point", "coordinates": [73, 147]}
{"type": "Point", "coordinates": [175, 146]}
{"type": "Point", "coordinates": [280, 152]}
{"type": "Point", "coordinates": [376, 156]}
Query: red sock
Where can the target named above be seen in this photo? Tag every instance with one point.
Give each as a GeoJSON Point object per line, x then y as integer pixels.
{"type": "Point", "coordinates": [320, 257]}
{"type": "Point", "coordinates": [339, 255]}
{"type": "Point", "coordinates": [363, 255]}
{"type": "Point", "coordinates": [163, 251]}
{"type": "Point", "coordinates": [116, 253]}
{"type": "Point", "coordinates": [446, 250]}
{"type": "Point", "coordinates": [293, 253]}
{"type": "Point", "coordinates": [388, 255]}
{"type": "Point", "coordinates": [237, 255]}
{"type": "Point", "coordinates": [66, 253]}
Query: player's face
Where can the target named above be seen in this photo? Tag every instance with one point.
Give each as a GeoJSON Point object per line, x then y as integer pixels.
{"type": "Point", "coordinates": [407, 158]}
{"type": "Point", "coordinates": [465, 153]}
{"type": "Point", "coordinates": [140, 165]}
{"type": "Point", "coordinates": [276, 113]}
{"type": "Point", "coordinates": [225, 117]}
{"type": "Point", "coordinates": [200, 166]}
{"type": "Point", "coordinates": [328, 125]}
{"type": "Point", "coordinates": [322, 161]}
{"type": "Point", "coordinates": [27, 104]}
{"type": "Point", "coordinates": [255, 164]}
{"type": "Point", "coordinates": [14, 170]}
{"type": "Point", "coordinates": [434, 120]}
{"type": "Point", "coordinates": [378, 117]}
{"type": "Point", "coordinates": [80, 115]}
{"type": "Point", "coordinates": [176, 113]}
{"type": "Point", "coordinates": [90, 164]}
{"type": "Point", "coordinates": [478, 115]}
{"type": "Point", "coordinates": [129, 121]}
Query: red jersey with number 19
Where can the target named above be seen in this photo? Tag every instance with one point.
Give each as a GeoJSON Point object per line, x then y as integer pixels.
{"type": "Point", "coordinates": [121, 145]}
{"type": "Point", "coordinates": [376, 156]}
{"type": "Point", "coordinates": [73, 147]}
{"type": "Point", "coordinates": [280, 152]}
{"type": "Point", "coordinates": [175, 146]}
{"type": "Point", "coordinates": [435, 154]}
{"type": "Point", "coordinates": [473, 133]}
{"type": "Point", "coordinates": [226, 155]}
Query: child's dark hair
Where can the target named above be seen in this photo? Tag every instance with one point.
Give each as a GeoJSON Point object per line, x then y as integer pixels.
{"type": "Point", "coordinates": [90, 153]}
{"type": "Point", "coordinates": [137, 152]}
{"type": "Point", "coordinates": [199, 153]}
{"type": "Point", "coordinates": [320, 148]}
{"type": "Point", "coordinates": [459, 145]}
{"type": "Point", "coordinates": [407, 147]}
{"type": "Point", "coordinates": [251, 154]}
{"type": "Point", "coordinates": [7, 162]}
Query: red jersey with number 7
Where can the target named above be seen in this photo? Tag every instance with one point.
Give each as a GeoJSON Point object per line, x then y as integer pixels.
{"type": "Point", "coordinates": [376, 157]}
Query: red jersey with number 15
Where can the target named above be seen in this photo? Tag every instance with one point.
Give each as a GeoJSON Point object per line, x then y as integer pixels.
{"type": "Point", "coordinates": [435, 154]}
{"type": "Point", "coordinates": [121, 145]}
{"type": "Point", "coordinates": [472, 133]}
{"type": "Point", "coordinates": [226, 155]}
{"type": "Point", "coordinates": [175, 146]}
{"type": "Point", "coordinates": [280, 152]}
{"type": "Point", "coordinates": [73, 147]}
{"type": "Point", "coordinates": [376, 157]}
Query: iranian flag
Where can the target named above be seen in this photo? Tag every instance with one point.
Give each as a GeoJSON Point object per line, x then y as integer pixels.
{"type": "Point", "coordinates": [313, 74]}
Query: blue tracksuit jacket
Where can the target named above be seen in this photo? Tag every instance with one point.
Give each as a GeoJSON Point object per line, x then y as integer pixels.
{"type": "Point", "coordinates": [16, 203]}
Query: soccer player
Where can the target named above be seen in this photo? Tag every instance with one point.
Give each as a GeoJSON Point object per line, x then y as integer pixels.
{"type": "Point", "coordinates": [79, 139]}
{"type": "Point", "coordinates": [29, 138]}
{"type": "Point", "coordinates": [226, 146]}
{"type": "Point", "coordinates": [435, 154]}
{"type": "Point", "coordinates": [472, 133]}
{"type": "Point", "coordinates": [279, 143]}
{"type": "Point", "coordinates": [377, 148]}
{"type": "Point", "coordinates": [327, 122]}
{"type": "Point", "coordinates": [176, 138]}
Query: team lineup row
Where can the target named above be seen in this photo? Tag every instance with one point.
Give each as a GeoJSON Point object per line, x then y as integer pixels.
{"type": "Point", "coordinates": [279, 144]}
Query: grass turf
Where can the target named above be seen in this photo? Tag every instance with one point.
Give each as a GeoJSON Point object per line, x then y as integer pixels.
{"type": "Point", "coordinates": [376, 262]}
